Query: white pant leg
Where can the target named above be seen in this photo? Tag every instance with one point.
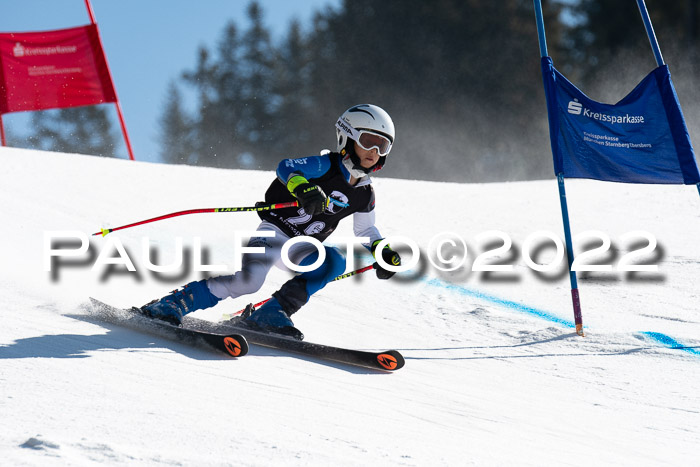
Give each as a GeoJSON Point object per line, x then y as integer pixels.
{"type": "Point", "coordinates": [254, 267]}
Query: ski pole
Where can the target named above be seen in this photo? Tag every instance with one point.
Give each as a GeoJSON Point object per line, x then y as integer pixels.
{"type": "Point", "coordinates": [354, 273]}
{"type": "Point", "coordinates": [266, 207]}
{"type": "Point", "coordinates": [342, 276]}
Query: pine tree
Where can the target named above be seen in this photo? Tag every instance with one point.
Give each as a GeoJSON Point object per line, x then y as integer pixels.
{"type": "Point", "coordinates": [176, 130]}
{"type": "Point", "coordinates": [234, 126]}
{"type": "Point", "coordinates": [258, 102]}
{"type": "Point", "coordinates": [82, 130]}
{"type": "Point", "coordinates": [214, 129]}
{"type": "Point", "coordinates": [610, 52]}
{"type": "Point", "coordinates": [460, 77]}
{"type": "Point", "coordinates": [295, 108]}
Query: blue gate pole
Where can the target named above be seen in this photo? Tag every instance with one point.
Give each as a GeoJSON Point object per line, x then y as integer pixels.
{"type": "Point", "coordinates": [540, 28]}
{"type": "Point", "coordinates": [576, 301]}
{"type": "Point", "coordinates": [650, 32]}
{"type": "Point", "coordinates": [652, 40]}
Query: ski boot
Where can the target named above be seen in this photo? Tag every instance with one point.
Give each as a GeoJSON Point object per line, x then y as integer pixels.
{"type": "Point", "coordinates": [269, 318]}
{"type": "Point", "coordinates": [171, 308]}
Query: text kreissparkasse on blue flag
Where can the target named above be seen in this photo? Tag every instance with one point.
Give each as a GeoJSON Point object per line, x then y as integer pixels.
{"type": "Point", "coordinates": [641, 139]}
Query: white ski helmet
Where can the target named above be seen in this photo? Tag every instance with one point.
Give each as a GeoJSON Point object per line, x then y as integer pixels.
{"type": "Point", "coordinates": [362, 124]}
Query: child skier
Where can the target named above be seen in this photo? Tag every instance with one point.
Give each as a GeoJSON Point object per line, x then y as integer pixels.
{"type": "Point", "coordinates": [328, 188]}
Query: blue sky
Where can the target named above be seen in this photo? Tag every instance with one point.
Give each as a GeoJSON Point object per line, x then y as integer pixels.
{"type": "Point", "coordinates": [148, 43]}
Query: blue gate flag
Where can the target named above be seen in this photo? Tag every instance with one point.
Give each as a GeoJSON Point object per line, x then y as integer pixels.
{"type": "Point", "coordinates": [641, 139]}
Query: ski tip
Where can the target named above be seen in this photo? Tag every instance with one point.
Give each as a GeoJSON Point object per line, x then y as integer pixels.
{"type": "Point", "coordinates": [391, 360]}
{"type": "Point", "coordinates": [236, 345]}
{"type": "Point", "coordinates": [95, 303]}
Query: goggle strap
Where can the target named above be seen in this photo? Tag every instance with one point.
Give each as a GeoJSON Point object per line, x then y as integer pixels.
{"type": "Point", "coordinates": [347, 129]}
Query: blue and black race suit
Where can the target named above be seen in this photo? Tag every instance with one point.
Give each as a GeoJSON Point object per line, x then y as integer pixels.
{"type": "Point", "coordinates": [328, 172]}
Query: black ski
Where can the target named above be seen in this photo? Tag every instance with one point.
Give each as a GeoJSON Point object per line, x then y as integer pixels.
{"type": "Point", "coordinates": [233, 343]}
{"type": "Point", "coordinates": [390, 360]}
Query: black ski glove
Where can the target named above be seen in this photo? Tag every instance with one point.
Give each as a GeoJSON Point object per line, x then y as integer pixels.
{"type": "Point", "coordinates": [389, 256]}
{"type": "Point", "coordinates": [311, 197]}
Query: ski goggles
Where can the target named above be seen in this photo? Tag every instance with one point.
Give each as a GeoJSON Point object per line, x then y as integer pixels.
{"type": "Point", "coordinates": [366, 139]}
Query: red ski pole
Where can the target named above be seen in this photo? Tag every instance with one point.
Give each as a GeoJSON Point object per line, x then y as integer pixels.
{"type": "Point", "coordinates": [266, 207]}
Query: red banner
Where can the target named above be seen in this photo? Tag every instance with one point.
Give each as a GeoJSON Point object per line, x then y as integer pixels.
{"type": "Point", "coordinates": [53, 69]}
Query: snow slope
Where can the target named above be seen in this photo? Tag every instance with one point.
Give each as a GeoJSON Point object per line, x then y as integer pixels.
{"type": "Point", "coordinates": [495, 374]}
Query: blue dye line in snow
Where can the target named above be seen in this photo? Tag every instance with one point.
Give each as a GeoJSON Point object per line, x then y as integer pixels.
{"type": "Point", "coordinates": [670, 342]}
{"type": "Point", "coordinates": [663, 339]}
{"type": "Point", "coordinates": [500, 301]}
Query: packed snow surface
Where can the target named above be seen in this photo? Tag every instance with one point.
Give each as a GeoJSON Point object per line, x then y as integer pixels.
{"type": "Point", "coordinates": [495, 373]}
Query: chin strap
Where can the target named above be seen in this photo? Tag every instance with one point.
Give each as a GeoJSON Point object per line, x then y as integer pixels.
{"type": "Point", "coordinates": [356, 162]}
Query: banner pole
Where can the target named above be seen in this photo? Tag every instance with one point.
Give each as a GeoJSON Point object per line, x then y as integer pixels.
{"type": "Point", "coordinates": [123, 126]}
{"type": "Point", "coordinates": [88, 6]}
{"type": "Point", "coordinates": [576, 301]}
{"type": "Point", "coordinates": [650, 32]}
{"type": "Point", "coordinates": [540, 28]}
{"type": "Point", "coordinates": [4, 143]}
{"type": "Point", "coordinates": [90, 13]}
{"type": "Point", "coordinates": [653, 41]}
